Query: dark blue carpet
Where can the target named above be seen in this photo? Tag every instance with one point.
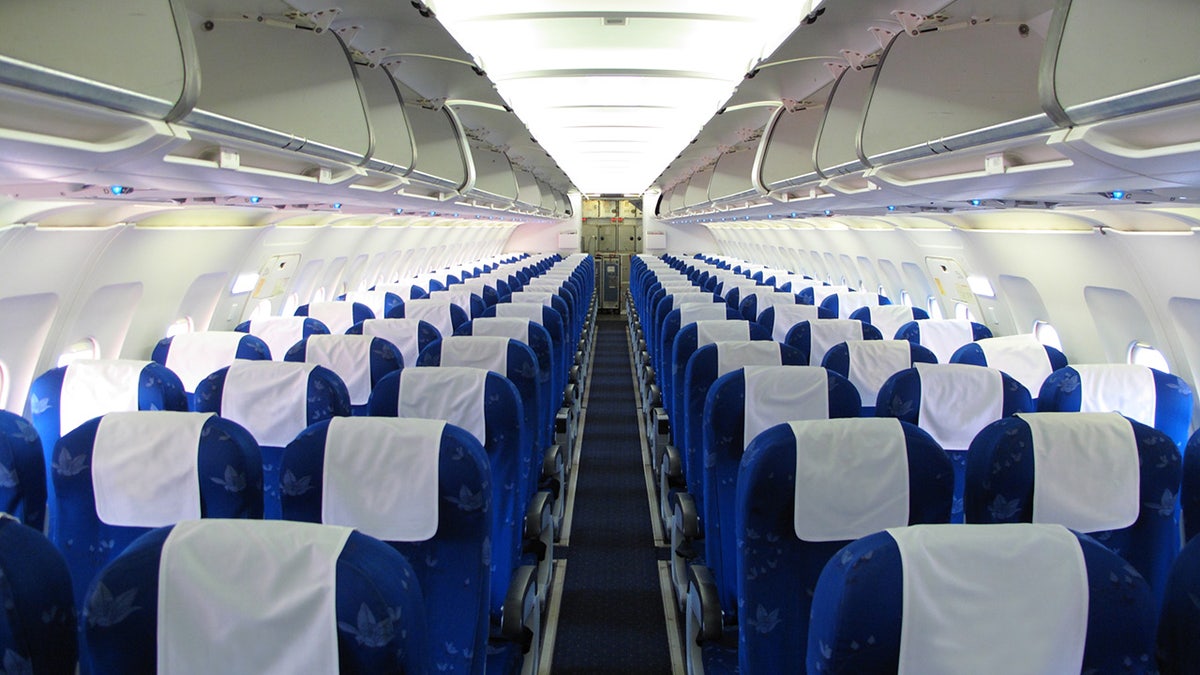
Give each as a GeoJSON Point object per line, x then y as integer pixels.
{"type": "Point", "coordinates": [612, 610]}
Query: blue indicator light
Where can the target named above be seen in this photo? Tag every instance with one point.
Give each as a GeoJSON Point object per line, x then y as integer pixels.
{"type": "Point", "coordinates": [828, 212]}
{"type": "Point", "coordinates": [337, 205]}
{"type": "Point", "coordinates": [119, 189]}
{"type": "Point", "coordinates": [1118, 194]}
{"type": "Point", "coordinates": [255, 200]}
{"type": "Point", "coordinates": [891, 208]}
{"type": "Point", "coordinates": [976, 202]}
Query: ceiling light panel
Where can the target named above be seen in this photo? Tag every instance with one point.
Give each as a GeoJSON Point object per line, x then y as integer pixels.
{"type": "Point", "coordinates": [643, 76]}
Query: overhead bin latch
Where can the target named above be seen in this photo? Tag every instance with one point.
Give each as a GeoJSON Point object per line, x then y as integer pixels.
{"type": "Point", "coordinates": [910, 21]}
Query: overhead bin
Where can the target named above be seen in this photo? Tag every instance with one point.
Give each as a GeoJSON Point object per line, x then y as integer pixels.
{"type": "Point", "coordinates": [394, 149]}
{"type": "Point", "coordinates": [732, 179]}
{"type": "Point", "coordinates": [529, 194]}
{"type": "Point", "coordinates": [697, 188]}
{"type": "Point", "coordinates": [443, 156]}
{"type": "Point", "coordinates": [495, 183]}
{"type": "Point", "coordinates": [677, 198]}
{"type": "Point", "coordinates": [836, 150]}
{"type": "Point", "coordinates": [547, 202]}
{"type": "Point", "coordinates": [787, 146]}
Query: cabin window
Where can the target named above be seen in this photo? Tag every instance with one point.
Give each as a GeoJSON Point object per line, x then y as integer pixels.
{"type": "Point", "coordinates": [1142, 354]}
{"type": "Point", "coordinates": [906, 298]}
{"type": "Point", "coordinates": [262, 310]}
{"type": "Point", "coordinates": [86, 348]}
{"type": "Point", "coordinates": [934, 308]}
{"type": "Point", "coordinates": [963, 311]}
{"type": "Point", "coordinates": [1046, 334]}
{"type": "Point", "coordinates": [180, 326]}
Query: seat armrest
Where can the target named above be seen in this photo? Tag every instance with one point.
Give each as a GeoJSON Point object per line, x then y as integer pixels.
{"type": "Point", "coordinates": [704, 606]}
{"type": "Point", "coordinates": [552, 460]}
{"type": "Point", "coordinates": [537, 515]}
{"type": "Point", "coordinates": [687, 519]}
{"type": "Point", "coordinates": [520, 605]}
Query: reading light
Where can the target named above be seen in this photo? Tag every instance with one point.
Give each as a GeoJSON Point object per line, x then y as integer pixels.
{"type": "Point", "coordinates": [976, 202]}
{"type": "Point", "coordinates": [891, 207]}
{"type": "Point", "coordinates": [828, 212]}
{"type": "Point", "coordinates": [255, 200]}
{"type": "Point", "coordinates": [1117, 195]}
{"type": "Point", "coordinates": [119, 190]}
{"type": "Point", "coordinates": [337, 205]}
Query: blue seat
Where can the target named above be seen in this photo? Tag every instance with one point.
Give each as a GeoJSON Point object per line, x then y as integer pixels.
{"type": "Point", "coordinates": [256, 596]}
{"type": "Point", "coordinates": [410, 336]}
{"type": "Point", "coordinates": [359, 360]}
{"type": "Point", "coordinates": [484, 288]}
{"type": "Point", "coordinates": [337, 316]}
{"type": "Point", "coordinates": [549, 319]}
{"type": "Point", "coordinates": [443, 314]}
{"type": "Point", "coordinates": [194, 356]}
{"type": "Point", "coordinates": [556, 302]}
{"type": "Point", "coordinates": [37, 626]}
{"type": "Point", "coordinates": [869, 363]}
{"type": "Point", "coordinates": [889, 318]}
{"type": "Point", "coordinates": [63, 398]}
{"type": "Point", "coordinates": [953, 404]}
{"type": "Point", "coordinates": [815, 338]}
{"type": "Point", "coordinates": [1179, 623]}
{"type": "Point", "coordinates": [1152, 397]}
{"type": "Point", "coordinates": [422, 486]}
{"type": "Point", "coordinates": [281, 332]}
{"type": "Point", "coordinates": [779, 319]}
{"type": "Point", "coordinates": [118, 476]}
{"type": "Point", "coordinates": [471, 304]}
{"type": "Point", "coordinates": [663, 349]}
{"type": "Point", "coordinates": [380, 302]}
{"type": "Point", "coordinates": [1022, 356]}
{"type": "Point", "coordinates": [871, 472]}
{"type": "Point", "coordinates": [1098, 473]}
{"type": "Point", "coordinates": [274, 401]}
{"type": "Point", "coordinates": [754, 303]}
{"type": "Point", "coordinates": [943, 337]}
{"type": "Point", "coordinates": [537, 338]}
{"type": "Point", "coordinates": [844, 303]}
{"type": "Point", "coordinates": [1190, 490]}
{"type": "Point", "coordinates": [1070, 600]}
{"type": "Point", "coordinates": [22, 471]}
{"type": "Point", "coordinates": [816, 294]}
{"type": "Point", "coordinates": [409, 290]}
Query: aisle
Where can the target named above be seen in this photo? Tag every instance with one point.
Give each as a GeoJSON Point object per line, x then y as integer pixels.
{"type": "Point", "coordinates": [611, 617]}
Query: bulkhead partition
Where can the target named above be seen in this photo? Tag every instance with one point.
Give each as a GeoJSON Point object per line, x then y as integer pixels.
{"type": "Point", "coordinates": [494, 179]}
{"type": "Point", "coordinates": [836, 151]}
{"type": "Point", "coordinates": [697, 189]}
{"type": "Point", "coordinates": [281, 87]}
{"type": "Point", "coordinates": [395, 151]}
{"type": "Point", "coordinates": [441, 150]}
{"type": "Point", "coordinates": [946, 90]}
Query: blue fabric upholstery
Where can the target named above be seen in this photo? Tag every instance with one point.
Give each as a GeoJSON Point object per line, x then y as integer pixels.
{"type": "Point", "coordinates": [748, 306]}
{"type": "Point", "coordinates": [900, 397]}
{"type": "Point", "coordinates": [385, 358]}
{"type": "Point", "coordinates": [229, 467]}
{"type": "Point", "coordinates": [325, 397]}
{"type": "Point", "coordinates": [250, 348]}
{"type": "Point", "coordinates": [539, 343]}
{"type": "Point", "coordinates": [510, 469]}
{"type": "Point", "coordinates": [800, 337]}
{"type": "Point", "coordinates": [837, 359]}
{"type": "Point", "coordinates": [458, 315]}
{"type": "Point", "coordinates": [999, 489]}
{"type": "Point", "coordinates": [22, 471]}
{"type": "Point", "coordinates": [723, 433]}
{"type": "Point", "coordinates": [1179, 623]}
{"type": "Point", "coordinates": [380, 616]}
{"type": "Point", "coordinates": [911, 331]}
{"type": "Point", "coordinates": [664, 349]}
{"type": "Point", "coordinates": [766, 318]}
{"type": "Point", "coordinates": [37, 632]}
{"type": "Point", "coordinates": [858, 601]}
{"type": "Point", "coordinates": [426, 333]}
{"type": "Point", "coordinates": [973, 354]}
{"type": "Point", "coordinates": [864, 314]}
{"type": "Point", "coordinates": [360, 312]}
{"type": "Point", "coordinates": [158, 389]}
{"type": "Point", "coordinates": [833, 304]}
{"type": "Point", "coordinates": [1172, 400]}
{"type": "Point", "coordinates": [308, 327]}
{"type": "Point", "coordinates": [776, 571]}
{"type": "Point", "coordinates": [682, 350]}
{"type": "Point", "coordinates": [552, 321]}
{"type": "Point", "coordinates": [452, 567]}
{"type": "Point", "coordinates": [390, 301]}
{"type": "Point", "coordinates": [1190, 489]}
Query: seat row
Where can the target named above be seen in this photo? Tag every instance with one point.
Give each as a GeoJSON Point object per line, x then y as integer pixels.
{"type": "Point", "coordinates": [282, 438]}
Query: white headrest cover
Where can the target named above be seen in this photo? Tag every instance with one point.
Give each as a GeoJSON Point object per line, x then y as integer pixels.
{"type": "Point", "coordinates": [376, 300]}
{"type": "Point", "coordinates": [787, 316]}
{"type": "Point", "coordinates": [852, 300]}
{"type": "Point", "coordinates": [268, 398]}
{"type": "Point", "coordinates": [1127, 389]}
{"type": "Point", "coordinates": [680, 300]}
{"type": "Point", "coordinates": [778, 394]}
{"type": "Point", "coordinates": [708, 332]}
{"type": "Point", "coordinates": [436, 312]}
{"type": "Point", "coordinates": [381, 476]}
{"type": "Point", "coordinates": [1022, 589]}
{"type": "Point", "coordinates": [476, 286]}
{"type": "Point", "coordinates": [1086, 470]}
{"type": "Point", "coordinates": [822, 292]}
{"type": "Point", "coordinates": [93, 387]}
{"type": "Point", "coordinates": [530, 311]}
{"type": "Point", "coordinates": [453, 295]}
{"type": "Point", "coordinates": [469, 351]}
{"type": "Point", "coordinates": [851, 477]}
{"type": "Point", "coordinates": [735, 354]}
{"type": "Point", "coordinates": [244, 596]}
{"type": "Point", "coordinates": [194, 356]}
{"type": "Point", "coordinates": [347, 355]}
{"type": "Point", "coordinates": [889, 318]}
{"type": "Point", "coordinates": [825, 333]}
{"type": "Point", "coordinates": [144, 468]}
{"type": "Point", "coordinates": [957, 400]}
{"type": "Point", "coordinates": [404, 333]}
{"type": "Point", "coordinates": [772, 299]}
{"type": "Point", "coordinates": [546, 299]}
{"type": "Point", "coordinates": [872, 362]}
{"type": "Point", "coordinates": [943, 337]}
{"type": "Point", "coordinates": [692, 313]}
{"type": "Point", "coordinates": [517, 329]}
{"type": "Point", "coordinates": [1021, 356]}
{"type": "Point", "coordinates": [452, 394]}
{"type": "Point", "coordinates": [279, 332]}
{"type": "Point", "coordinates": [337, 316]}
{"type": "Point", "coordinates": [742, 286]}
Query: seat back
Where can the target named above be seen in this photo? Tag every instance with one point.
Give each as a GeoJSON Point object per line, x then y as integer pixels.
{"type": "Point", "coordinates": [844, 303]}
{"type": "Point", "coordinates": [118, 476]}
{"type": "Point", "coordinates": [470, 303]}
{"type": "Point", "coordinates": [754, 302]}
{"type": "Point", "coordinates": [943, 337]}
{"type": "Point", "coordinates": [537, 338]}
{"type": "Point", "coordinates": [380, 302]}
{"type": "Point", "coordinates": [805, 490]}
{"type": "Point", "coordinates": [359, 360]}
{"type": "Point", "coordinates": [422, 487]}
{"type": "Point", "coordinates": [676, 319]}
{"type": "Point", "coordinates": [194, 356]}
{"type": "Point", "coordinates": [22, 471]}
{"type": "Point", "coordinates": [1022, 356]}
{"type": "Point", "coordinates": [549, 319]}
{"type": "Point", "coordinates": [294, 597]}
{"type": "Point", "coordinates": [1179, 624]}
{"type": "Point", "coordinates": [444, 315]}
{"type": "Point", "coordinates": [273, 401]}
{"type": "Point", "coordinates": [336, 315]}
{"type": "Point", "coordinates": [690, 338]}
{"type": "Point", "coordinates": [38, 625]}
{"type": "Point", "coordinates": [410, 336]}
{"type": "Point", "coordinates": [1152, 397]}
{"type": "Point", "coordinates": [779, 319]}
{"type": "Point", "coordinates": [869, 363]}
{"type": "Point", "coordinates": [952, 404]}
{"type": "Point", "coordinates": [889, 318]}
{"type": "Point", "coordinates": [816, 294]}
{"type": "Point", "coordinates": [1097, 473]}
{"type": "Point", "coordinates": [1069, 601]}
{"type": "Point", "coordinates": [1190, 490]}
{"type": "Point", "coordinates": [281, 332]}
{"type": "Point", "coordinates": [814, 339]}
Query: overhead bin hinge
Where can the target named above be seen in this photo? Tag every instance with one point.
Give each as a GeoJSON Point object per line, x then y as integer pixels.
{"type": "Point", "coordinates": [432, 103]}
{"type": "Point", "coordinates": [375, 56]}
{"type": "Point", "coordinates": [322, 18]}
{"type": "Point", "coordinates": [836, 68]}
{"type": "Point", "coordinates": [911, 21]}
{"type": "Point", "coordinates": [882, 35]}
{"type": "Point", "coordinates": [856, 60]}
{"type": "Point", "coordinates": [347, 33]}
